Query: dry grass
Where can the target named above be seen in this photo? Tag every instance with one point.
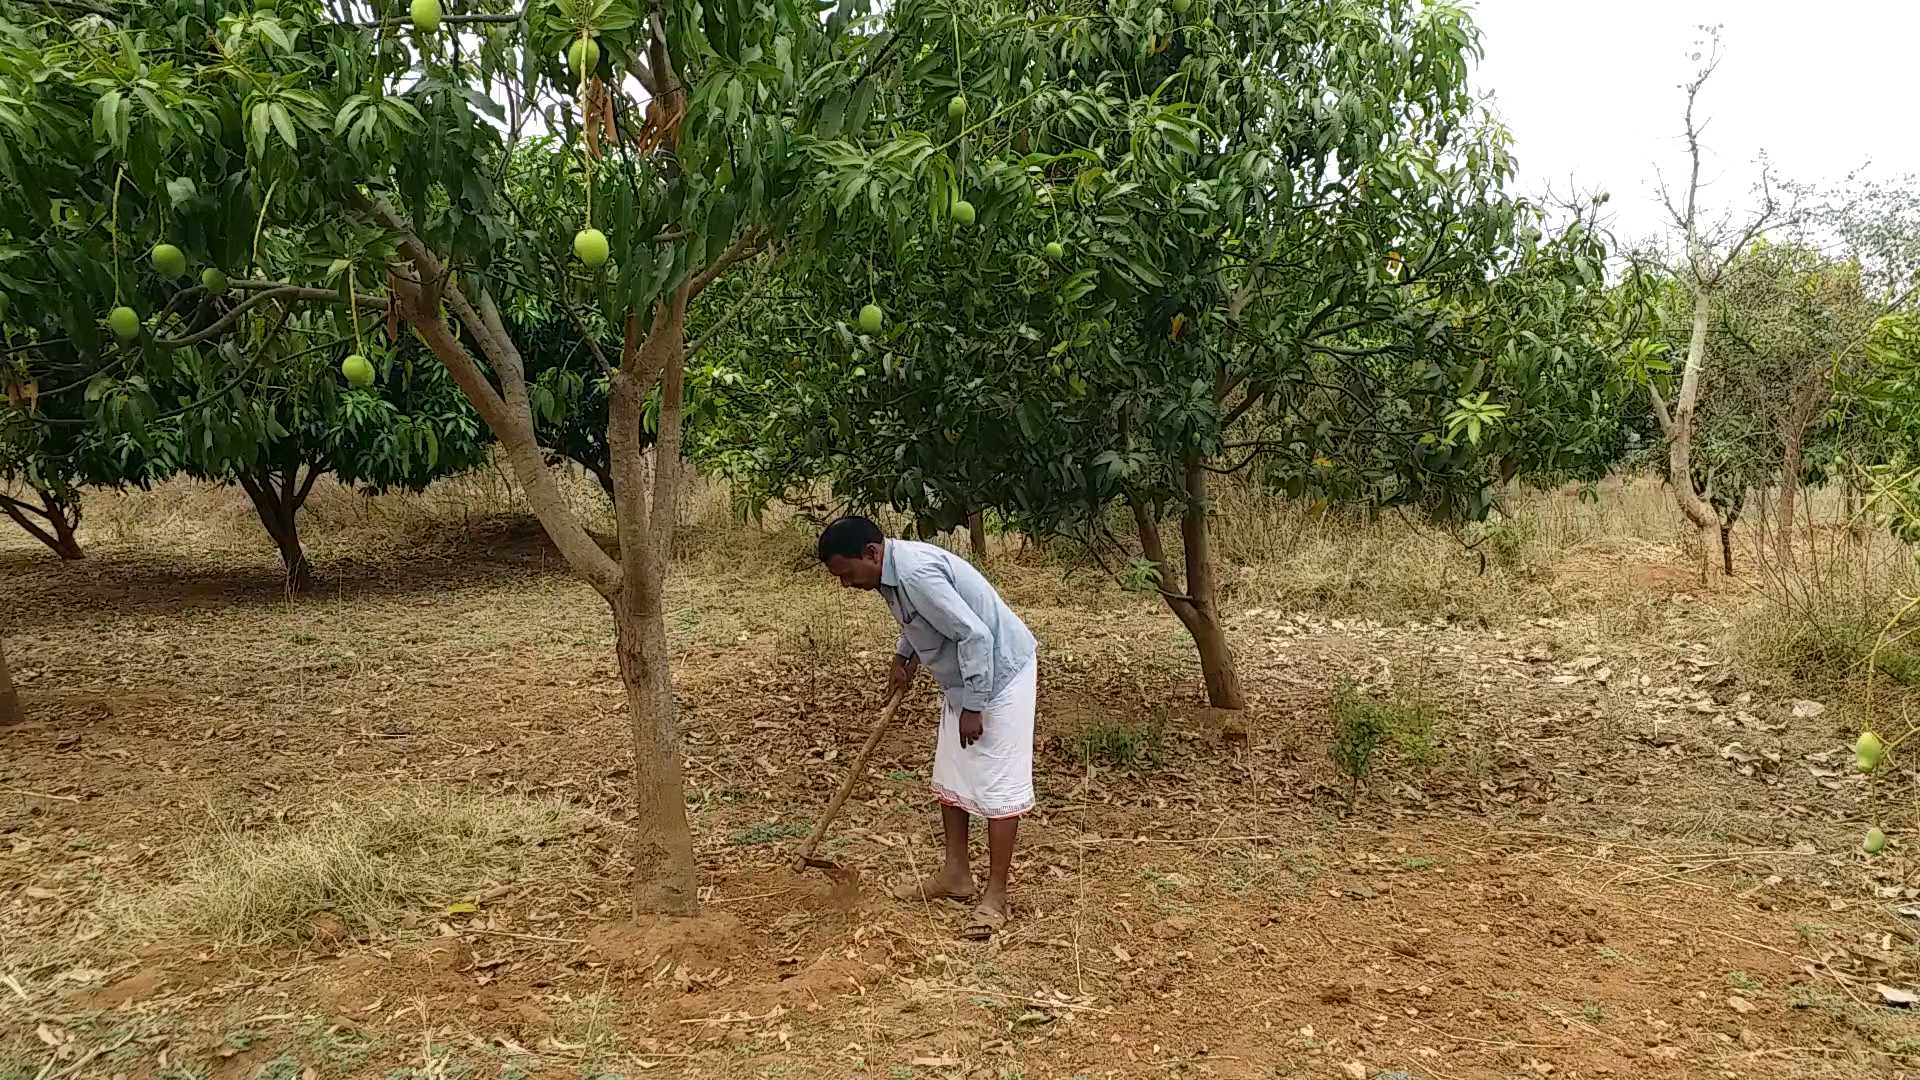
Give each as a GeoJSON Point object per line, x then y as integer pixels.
{"type": "Point", "coordinates": [1545, 553]}
{"type": "Point", "coordinates": [367, 865]}
{"type": "Point", "coordinates": [1285, 555]}
{"type": "Point", "coordinates": [1840, 613]}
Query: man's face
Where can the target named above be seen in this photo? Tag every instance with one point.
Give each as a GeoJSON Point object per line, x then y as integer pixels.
{"type": "Point", "coordinates": [862, 572]}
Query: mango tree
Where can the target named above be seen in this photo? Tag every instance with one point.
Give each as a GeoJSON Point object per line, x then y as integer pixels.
{"type": "Point", "coordinates": [407, 426]}
{"type": "Point", "coordinates": [1179, 244]}
{"type": "Point", "coordinates": [50, 451]}
{"type": "Point", "coordinates": [704, 135]}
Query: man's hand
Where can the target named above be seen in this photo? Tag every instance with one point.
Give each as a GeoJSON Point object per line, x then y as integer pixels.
{"type": "Point", "coordinates": [900, 677]}
{"type": "Point", "coordinates": [972, 726]}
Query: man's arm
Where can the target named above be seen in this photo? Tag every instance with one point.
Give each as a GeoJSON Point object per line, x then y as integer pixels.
{"type": "Point", "coordinates": [934, 598]}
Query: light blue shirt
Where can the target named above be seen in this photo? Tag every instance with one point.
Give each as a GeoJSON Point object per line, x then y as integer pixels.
{"type": "Point", "coordinates": [953, 620]}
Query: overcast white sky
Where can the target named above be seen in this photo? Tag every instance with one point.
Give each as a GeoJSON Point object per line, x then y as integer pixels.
{"type": "Point", "coordinates": [1591, 92]}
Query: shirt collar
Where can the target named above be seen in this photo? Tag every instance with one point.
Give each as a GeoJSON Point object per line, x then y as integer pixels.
{"type": "Point", "coordinates": [889, 573]}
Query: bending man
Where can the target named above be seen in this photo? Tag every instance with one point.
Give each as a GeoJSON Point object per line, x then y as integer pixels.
{"type": "Point", "coordinates": [954, 624]}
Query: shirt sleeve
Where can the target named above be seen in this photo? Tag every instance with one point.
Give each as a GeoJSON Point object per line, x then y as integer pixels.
{"type": "Point", "coordinates": [937, 602]}
{"type": "Point", "coordinates": [903, 647]}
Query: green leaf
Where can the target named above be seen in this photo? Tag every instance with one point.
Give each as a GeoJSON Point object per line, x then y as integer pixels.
{"type": "Point", "coordinates": [283, 123]}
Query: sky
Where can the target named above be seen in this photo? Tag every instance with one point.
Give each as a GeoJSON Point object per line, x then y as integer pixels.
{"type": "Point", "coordinates": [1591, 92]}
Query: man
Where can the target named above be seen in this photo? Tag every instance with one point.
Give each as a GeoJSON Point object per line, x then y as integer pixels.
{"type": "Point", "coordinates": [953, 623]}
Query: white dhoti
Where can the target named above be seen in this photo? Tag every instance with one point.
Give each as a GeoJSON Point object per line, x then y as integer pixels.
{"type": "Point", "coordinates": [993, 778]}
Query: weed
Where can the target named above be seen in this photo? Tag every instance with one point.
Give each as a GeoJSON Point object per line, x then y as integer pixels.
{"type": "Point", "coordinates": [1416, 862]}
{"type": "Point", "coordinates": [342, 1048]}
{"type": "Point", "coordinates": [1507, 539]}
{"type": "Point", "coordinates": [284, 1067]}
{"type": "Point", "coordinates": [1361, 725]}
{"type": "Point", "coordinates": [1593, 1012]}
{"type": "Point", "coordinates": [1740, 980]}
{"type": "Point", "coordinates": [902, 775]}
{"type": "Point", "coordinates": [1117, 742]}
{"type": "Point", "coordinates": [768, 832]}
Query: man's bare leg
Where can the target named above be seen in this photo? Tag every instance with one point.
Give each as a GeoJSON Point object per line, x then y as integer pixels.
{"type": "Point", "coordinates": [954, 878]}
{"type": "Point", "coordinates": [1001, 836]}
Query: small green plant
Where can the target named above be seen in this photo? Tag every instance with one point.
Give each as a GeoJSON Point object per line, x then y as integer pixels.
{"type": "Point", "coordinates": [1507, 538]}
{"type": "Point", "coordinates": [342, 1047]}
{"type": "Point", "coordinates": [1358, 726]}
{"type": "Point", "coordinates": [1361, 725]}
{"type": "Point", "coordinates": [768, 832]}
{"type": "Point", "coordinates": [1118, 742]}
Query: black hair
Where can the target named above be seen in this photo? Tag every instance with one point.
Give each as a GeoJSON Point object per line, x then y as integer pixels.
{"type": "Point", "coordinates": [848, 538]}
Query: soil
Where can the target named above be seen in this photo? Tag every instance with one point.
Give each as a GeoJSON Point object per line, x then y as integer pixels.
{"type": "Point", "coordinates": [1611, 856]}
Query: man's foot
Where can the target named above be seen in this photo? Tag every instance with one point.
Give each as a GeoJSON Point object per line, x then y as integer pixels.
{"type": "Point", "coordinates": [987, 920]}
{"type": "Point", "coordinates": [942, 885]}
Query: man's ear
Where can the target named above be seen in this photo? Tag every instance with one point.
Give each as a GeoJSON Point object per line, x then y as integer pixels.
{"type": "Point", "coordinates": [876, 552]}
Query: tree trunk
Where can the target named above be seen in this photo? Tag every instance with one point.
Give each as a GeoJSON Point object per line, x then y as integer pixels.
{"type": "Point", "coordinates": [277, 499]}
{"type": "Point", "coordinates": [977, 534]}
{"type": "Point", "coordinates": [9, 697]}
{"type": "Point", "coordinates": [1679, 429]}
{"type": "Point", "coordinates": [57, 521]}
{"type": "Point", "coordinates": [1198, 607]}
{"type": "Point", "coordinates": [1793, 437]}
{"type": "Point", "coordinates": [1727, 522]}
{"type": "Point", "coordinates": [664, 876]}
{"type": "Point", "coordinates": [665, 879]}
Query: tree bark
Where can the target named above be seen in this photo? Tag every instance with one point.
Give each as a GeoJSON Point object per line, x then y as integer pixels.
{"type": "Point", "coordinates": [977, 534]}
{"type": "Point", "coordinates": [1728, 521]}
{"type": "Point", "coordinates": [277, 499]}
{"type": "Point", "coordinates": [9, 697]}
{"type": "Point", "coordinates": [1197, 607]}
{"type": "Point", "coordinates": [1679, 429]}
{"type": "Point", "coordinates": [1806, 398]}
{"type": "Point", "coordinates": [56, 525]}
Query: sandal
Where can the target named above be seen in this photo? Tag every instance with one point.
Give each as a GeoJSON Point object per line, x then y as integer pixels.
{"type": "Point", "coordinates": [983, 924]}
{"type": "Point", "coordinates": [915, 892]}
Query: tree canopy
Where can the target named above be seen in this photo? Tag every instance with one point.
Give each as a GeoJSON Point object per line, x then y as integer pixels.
{"type": "Point", "coordinates": [1171, 245]}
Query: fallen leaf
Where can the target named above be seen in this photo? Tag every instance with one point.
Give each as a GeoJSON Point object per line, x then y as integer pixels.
{"type": "Point", "coordinates": [1122, 955]}
{"type": "Point", "coordinates": [1807, 710]}
{"type": "Point", "coordinates": [1896, 996]}
{"type": "Point", "coordinates": [35, 892]}
{"type": "Point", "coordinates": [936, 1062]}
{"type": "Point", "coordinates": [1355, 1070]}
{"type": "Point", "coordinates": [464, 907]}
{"type": "Point", "coordinates": [1740, 1005]}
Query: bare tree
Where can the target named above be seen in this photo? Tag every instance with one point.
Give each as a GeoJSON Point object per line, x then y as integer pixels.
{"type": "Point", "coordinates": [1711, 244]}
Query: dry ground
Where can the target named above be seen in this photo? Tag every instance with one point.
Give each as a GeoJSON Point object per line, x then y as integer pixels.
{"type": "Point", "coordinates": [378, 832]}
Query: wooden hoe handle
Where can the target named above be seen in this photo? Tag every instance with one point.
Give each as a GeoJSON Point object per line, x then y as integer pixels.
{"type": "Point", "coordinates": [854, 772]}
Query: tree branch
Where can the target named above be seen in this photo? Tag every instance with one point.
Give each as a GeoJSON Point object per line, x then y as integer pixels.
{"type": "Point", "coordinates": [268, 291]}
{"type": "Point", "coordinates": [748, 243]}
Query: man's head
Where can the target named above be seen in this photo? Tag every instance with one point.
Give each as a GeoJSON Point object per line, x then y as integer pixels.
{"type": "Point", "coordinates": [853, 550]}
